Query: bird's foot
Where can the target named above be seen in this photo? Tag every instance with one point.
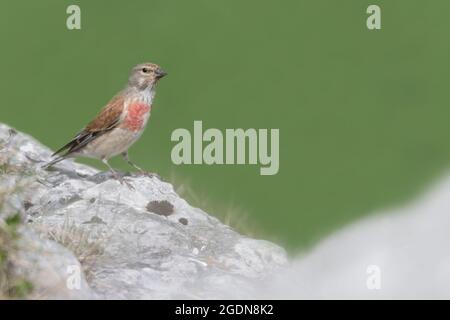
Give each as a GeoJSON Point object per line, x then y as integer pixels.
{"type": "Point", "coordinates": [149, 174]}
{"type": "Point", "coordinates": [123, 181]}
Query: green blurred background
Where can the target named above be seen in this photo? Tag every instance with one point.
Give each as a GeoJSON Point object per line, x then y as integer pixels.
{"type": "Point", "coordinates": [363, 115]}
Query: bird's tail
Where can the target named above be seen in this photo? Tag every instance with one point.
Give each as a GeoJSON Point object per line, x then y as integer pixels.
{"type": "Point", "coordinates": [53, 162]}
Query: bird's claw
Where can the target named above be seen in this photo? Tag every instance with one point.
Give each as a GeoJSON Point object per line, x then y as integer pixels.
{"type": "Point", "coordinates": [123, 181]}
{"type": "Point", "coordinates": [149, 174]}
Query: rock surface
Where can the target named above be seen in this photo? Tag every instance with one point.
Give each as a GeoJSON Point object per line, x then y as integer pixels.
{"type": "Point", "coordinates": [89, 237]}
{"type": "Point", "coordinates": [143, 242]}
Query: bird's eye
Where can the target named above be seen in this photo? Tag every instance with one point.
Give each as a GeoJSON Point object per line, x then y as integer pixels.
{"type": "Point", "coordinates": [145, 70]}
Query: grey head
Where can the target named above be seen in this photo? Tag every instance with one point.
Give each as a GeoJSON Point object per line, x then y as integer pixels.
{"type": "Point", "coordinates": [145, 76]}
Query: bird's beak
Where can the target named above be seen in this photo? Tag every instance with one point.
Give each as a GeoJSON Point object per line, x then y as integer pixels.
{"type": "Point", "coordinates": [160, 73]}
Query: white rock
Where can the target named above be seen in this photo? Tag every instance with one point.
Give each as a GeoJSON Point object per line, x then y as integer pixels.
{"type": "Point", "coordinates": [128, 251]}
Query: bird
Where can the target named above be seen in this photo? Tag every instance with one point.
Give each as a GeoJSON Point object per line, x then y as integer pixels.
{"type": "Point", "coordinates": [119, 124]}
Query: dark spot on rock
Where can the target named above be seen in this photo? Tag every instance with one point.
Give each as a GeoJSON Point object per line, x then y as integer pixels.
{"type": "Point", "coordinates": [95, 220]}
{"type": "Point", "coordinates": [183, 221]}
{"type": "Point", "coordinates": [92, 200]}
{"type": "Point", "coordinates": [163, 208]}
{"type": "Point", "coordinates": [69, 199]}
{"type": "Point", "coordinates": [12, 132]}
{"type": "Point", "coordinates": [27, 205]}
{"type": "Point", "coordinates": [81, 175]}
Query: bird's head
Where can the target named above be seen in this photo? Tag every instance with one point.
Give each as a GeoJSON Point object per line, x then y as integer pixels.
{"type": "Point", "coordinates": [145, 76]}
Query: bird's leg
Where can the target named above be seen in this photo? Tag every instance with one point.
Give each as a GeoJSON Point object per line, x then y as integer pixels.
{"type": "Point", "coordinates": [116, 175]}
{"type": "Point", "coordinates": [127, 159]}
{"type": "Point", "coordinates": [141, 171]}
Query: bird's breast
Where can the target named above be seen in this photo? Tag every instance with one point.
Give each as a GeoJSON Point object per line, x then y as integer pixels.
{"type": "Point", "coordinates": [136, 116]}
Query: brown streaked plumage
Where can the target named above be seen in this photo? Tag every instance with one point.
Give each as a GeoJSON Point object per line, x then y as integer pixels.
{"type": "Point", "coordinates": [106, 120]}
{"type": "Point", "coordinates": [120, 123]}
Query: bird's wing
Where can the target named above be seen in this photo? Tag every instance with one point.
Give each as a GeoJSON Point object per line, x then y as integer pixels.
{"type": "Point", "coordinates": [109, 118]}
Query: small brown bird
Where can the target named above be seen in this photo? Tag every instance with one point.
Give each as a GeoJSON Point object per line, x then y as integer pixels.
{"type": "Point", "coordinates": [119, 124]}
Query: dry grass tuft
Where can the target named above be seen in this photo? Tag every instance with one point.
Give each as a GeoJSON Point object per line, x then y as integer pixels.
{"type": "Point", "coordinates": [80, 241]}
{"type": "Point", "coordinates": [230, 214]}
